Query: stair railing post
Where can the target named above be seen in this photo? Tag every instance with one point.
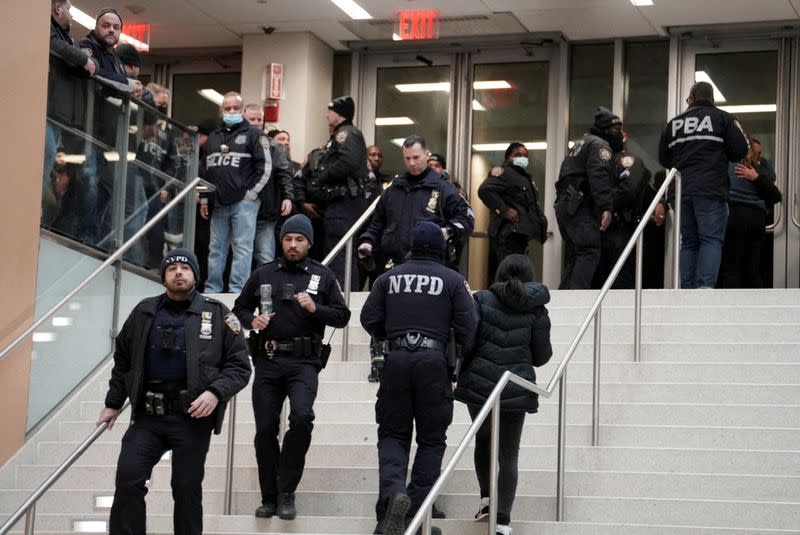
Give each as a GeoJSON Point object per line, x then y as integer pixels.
{"type": "Point", "coordinates": [637, 322]}
{"type": "Point", "coordinates": [494, 455]}
{"type": "Point", "coordinates": [562, 442]}
{"type": "Point", "coordinates": [596, 378]}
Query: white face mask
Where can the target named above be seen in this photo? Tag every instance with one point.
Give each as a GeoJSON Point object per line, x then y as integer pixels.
{"type": "Point", "coordinates": [520, 161]}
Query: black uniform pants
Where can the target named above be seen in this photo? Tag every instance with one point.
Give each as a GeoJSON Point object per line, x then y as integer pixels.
{"type": "Point", "coordinates": [741, 252]}
{"type": "Point", "coordinates": [143, 445]}
{"type": "Point", "coordinates": [280, 468]}
{"type": "Point", "coordinates": [581, 236]}
{"type": "Point", "coordinates": [415, 389]}
{"type": "Point", "coordinates": [504, 244]}
{"type": "Point", "coordinates": [613, 242]}
{"type": "Point", "coordinates": [340, 216]}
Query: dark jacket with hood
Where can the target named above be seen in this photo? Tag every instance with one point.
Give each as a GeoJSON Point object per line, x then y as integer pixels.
{"type": "Point", "coordinates": [218, 363]}
{"type": "Point", "coordinates": [514, 335]}
{"type": "Point", "coordinates": [587, 168]}
{"type": "Point", "coordinates": [510, 186]}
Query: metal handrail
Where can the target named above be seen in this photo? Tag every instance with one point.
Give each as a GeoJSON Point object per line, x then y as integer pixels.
{"type": "Point", "coordinates": [423, 516]}
{"type": "Point", "coordinates": [110, 260]}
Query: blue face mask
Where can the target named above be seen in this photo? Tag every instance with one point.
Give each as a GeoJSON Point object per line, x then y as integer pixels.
{"type": "Point", "coordinates": [232, 119]}
{"type": "Point", "coordinates": [520, 161]}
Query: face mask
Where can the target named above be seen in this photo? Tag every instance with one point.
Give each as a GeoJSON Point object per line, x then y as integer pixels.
{"type": "Point", "coordinates": [232, 119]}
{"type": "Point", "coordinates": [520, 161]}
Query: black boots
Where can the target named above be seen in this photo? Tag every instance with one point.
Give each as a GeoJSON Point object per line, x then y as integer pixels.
{"type": "Point", "coordinates": [286, 508]}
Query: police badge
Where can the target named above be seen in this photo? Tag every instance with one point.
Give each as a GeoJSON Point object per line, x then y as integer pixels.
{"type": "Point", "coordinates": [313, 284]}
{"type": "Point", "coordinates": [605, 155]}
{"type": "Point", "coordinates": [205, 326]}
{"type": "Point", "coordinates": [341, 136]}
{"type": "Point", "coordinates": [224, 149]}
{"type": "Point", "coordinates": [627, 161]}
{"type": "Point", "coordinates": [241, 139]}
{"type": "Point", "coordinates": [432, 202]}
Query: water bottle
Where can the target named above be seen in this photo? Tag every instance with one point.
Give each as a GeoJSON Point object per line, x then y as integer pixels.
{"type": "Point", "coordinates": [266, 299]}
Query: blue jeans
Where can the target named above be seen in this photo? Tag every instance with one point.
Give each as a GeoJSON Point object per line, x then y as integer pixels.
{"type": "Point", "coordinates": [233, 226]}
{"type": "Point", "coordinates": [135, 213]}
{"type": "Point", "coordinates": [93, 168]}
{"type": "Point", "coordinates": [265, 242]}
{"type": "Point", "coordinates": [703, 223]}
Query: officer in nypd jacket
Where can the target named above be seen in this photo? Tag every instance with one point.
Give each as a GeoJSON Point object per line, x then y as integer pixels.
{"type": "Point", "coordinates": [699, 143]}
{"type": "Point", "coordinates": [188, 350]}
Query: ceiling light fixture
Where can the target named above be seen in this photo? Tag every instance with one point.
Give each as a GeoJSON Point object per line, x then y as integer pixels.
{"type": "Point", "coordinates": [212, 95]}
{"type": "Point", "coordinates": [353, 10]}
{"type": "Point", "coordinates": [702, 76]}
{"type": "Point", "coordinates": [751, 108]}
{"type": "Point", "coordinates": [424, 88]}
{"type": "Point", "coordinates": [477, 106]}
{"type": "Point", "coordinates": [491, 84]}
{"type": "Point", "coordinates": [398, 141]}
{"type": "Point", "coordinates": [640, 3]}
{"type": "Point", "coordinates": [501, 147]}
{"type": "Point", "coordinates": [393, 121]}
{"type": "Point", "coordinates": [88, 22]}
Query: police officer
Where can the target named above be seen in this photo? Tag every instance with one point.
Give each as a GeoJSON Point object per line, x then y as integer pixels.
{"type": "Point", "coordinates": [296, 297]}
{"type": "Point", "coordinates": [699, 143]}
{"type": "Point", "coordinates": [583, 198]}
{"type": "Point", "coordinates": [511, 196]}
{"type": "Point", "coordinates": [418, 194]}
{"type": "Point", "coordinates": [179, 358]}
{"type": "Point", "coordinates": [343, 176]}
{"type": "Point", "coordinates": [413, 307]}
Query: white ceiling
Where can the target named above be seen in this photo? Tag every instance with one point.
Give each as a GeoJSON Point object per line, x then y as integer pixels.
{"type": "Point", "coordinates": [215, 23]}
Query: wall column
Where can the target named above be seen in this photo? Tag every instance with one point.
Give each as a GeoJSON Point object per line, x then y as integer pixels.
{"type": "Point", "coordinates": [23, 106]}
{"type": "Point", "coordinates": [308, 76]}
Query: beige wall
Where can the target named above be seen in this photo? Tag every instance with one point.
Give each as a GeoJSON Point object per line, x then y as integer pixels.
{"type": "Point", "coordinates": [23, 95]}
{"type": "Point", "coordinates": [308, 77]}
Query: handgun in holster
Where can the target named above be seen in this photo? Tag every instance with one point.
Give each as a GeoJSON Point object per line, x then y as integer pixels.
{"type": "Point", "coordinates": [378, 351]}
{"type": "Point", "coordinates": [573, 197]}
{"type": "Point", "coordinates": [454, 357]}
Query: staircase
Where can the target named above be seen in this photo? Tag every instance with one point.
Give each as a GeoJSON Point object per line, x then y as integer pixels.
{"type": "Point", "coordinates": [701, 438]}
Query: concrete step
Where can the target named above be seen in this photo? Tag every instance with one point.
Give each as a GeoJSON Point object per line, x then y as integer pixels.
{"type": "Point", "coordinates": [581, 458]}
{"type": "Point", "coordinates": [585, 483]}
{"type": "Point", "coordinates": [754, 516]}
{"type": "Point", "coordinates": [535, 432]}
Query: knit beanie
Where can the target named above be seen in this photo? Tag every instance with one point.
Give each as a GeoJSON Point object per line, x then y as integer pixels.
{"type": "Point", "coordinates": [181, 255]}
{"type": "Point", "coordinates": [300, 224]}
{"type": "Point", "coordinates": [344, 106]}
{"type": "Point", "coordinates": [605, 118]}
{"type": "Point", "coordinates": [107, 10]}
{"type": "Point", "coordinates": [427, 237]}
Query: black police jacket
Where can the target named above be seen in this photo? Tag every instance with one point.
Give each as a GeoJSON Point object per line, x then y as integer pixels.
{"type": "Point", "coordinates": [237, 161]}
{"type": "Point", "coordinates": [421, 296]}
{"type": "Point", "coordinates": [405, 203]}
{"type": "Point", "coordinates": [587, 168]}
{"type": "Point", "coordinates": [157, 149]}
{"type": "Point", "coordinates": [280, 186]}
{"type": "Point", "coordinates": [344, 162]}
{"type": "Point", "coordinates": [699, 143]}
{"type": "Point", "coordinates": [218, 364]}
{"type": "Point", "coordinates": [67, 79]}
{"type": "Point", "coordinates": [511, 186]}
{"type": "Point", "coordinates": [514, 335]}
{"type": "Point", "coordinates": [291, 320]}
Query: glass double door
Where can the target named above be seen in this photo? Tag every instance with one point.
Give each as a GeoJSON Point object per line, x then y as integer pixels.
{"type": "Point", "coordinates": [753, 81]}
{"type": "Point", "coordinates": [469, 107]}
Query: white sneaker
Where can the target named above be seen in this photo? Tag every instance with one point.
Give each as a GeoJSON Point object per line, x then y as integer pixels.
{"type": "Point", "coordinates": [483, 510]}
{"type": "Point", "coordinates": [503, 530]}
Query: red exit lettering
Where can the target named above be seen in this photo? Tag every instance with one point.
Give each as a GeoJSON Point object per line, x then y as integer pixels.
{"type": "Point", "coordinates": [417, 25]}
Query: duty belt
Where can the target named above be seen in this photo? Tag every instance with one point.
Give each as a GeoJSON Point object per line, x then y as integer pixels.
{"type": "Point", "coordinates": [414, 341]}
{"type": "Point", "coordinates": [304, 346]}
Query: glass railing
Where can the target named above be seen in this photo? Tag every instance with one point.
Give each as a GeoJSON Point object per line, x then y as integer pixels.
{"type": "Point", "coordinates": [111, 163]}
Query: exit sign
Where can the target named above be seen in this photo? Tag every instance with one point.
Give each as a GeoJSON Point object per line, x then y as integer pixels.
{"type": "Point", "coordinates": [418, 25]}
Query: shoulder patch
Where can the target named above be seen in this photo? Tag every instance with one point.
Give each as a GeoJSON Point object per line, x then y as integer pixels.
{"type": "Point", "coordinates": [233, 323]}
{"type": "Point", "coordinates": [241, 139]}
{"type": "Point", "coordinates": [341, 136]}
{"type": "Point", "coordinates": [264, 141]}
{"type": "Point", "coordinates": [604, 154]}
{"type": "Point", "coordinates": [496, 171]}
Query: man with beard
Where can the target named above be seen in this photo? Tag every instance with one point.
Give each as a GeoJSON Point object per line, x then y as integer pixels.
{"type": "Point", "coordinates": [296, 298]}
{"type": "Point", "coordinates": [179, 358]}
{"type": "Point", "coordinates": [583, 198]}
